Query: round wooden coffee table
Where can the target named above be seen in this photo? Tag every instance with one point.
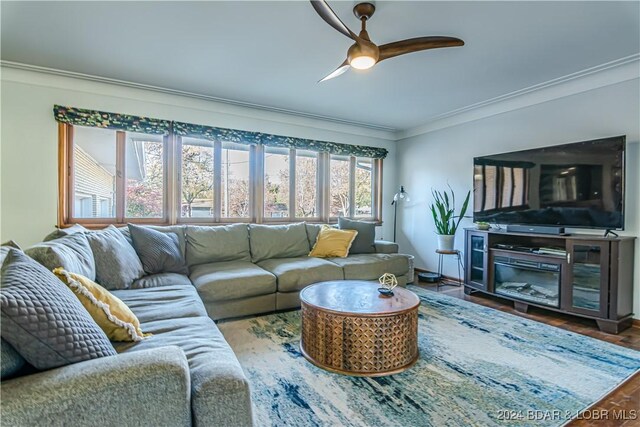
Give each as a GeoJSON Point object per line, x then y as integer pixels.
{"type": "Point", "coordinates": [349, 328]}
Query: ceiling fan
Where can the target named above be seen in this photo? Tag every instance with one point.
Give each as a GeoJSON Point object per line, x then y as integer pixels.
{"type": "Point", "coordinates": [364, 54]}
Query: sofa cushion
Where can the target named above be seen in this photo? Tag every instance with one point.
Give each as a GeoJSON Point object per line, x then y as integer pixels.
{"type": "Point", "coordinates": [219, 243]}
{"type": "Point", "coordinates": [43, 320]}
{"type": "Point", "coordinates": [10, 360]}
{"type": "Point", "coordinates": [278, 241]}
{"type": "Point", "coordinates": [117, 264]}
{"type": "Point", "coordinates": [167, 302]}
{"type": "Point", "coordinates": [110, 313]}
{"type": "Point", "coordinates": [221, 281]}
{"type": "Point", "coordinates": [71, 252]}
{"type": "Point", "coordinates": [295, 273]}
{"type": "Point", "coordinates": [161, 279]}
{"type": "Point", "coordinates": [159, 252]}
{"type": "Point", "coordinates": [178, 230]}
{"type": "Point", "coordinates": [220, 393]}
{"type": "Point", "coordinates": [364, 241]}
{"type": "Point", "coordinates": [372, 266]}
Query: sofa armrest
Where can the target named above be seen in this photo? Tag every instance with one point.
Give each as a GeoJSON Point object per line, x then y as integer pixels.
{"type": "Point", "coordinates": [221, 395]}
{"type": "Point", "coordinates": [150, 387]}
{"type": "Point", "coordinates": [385, 247]}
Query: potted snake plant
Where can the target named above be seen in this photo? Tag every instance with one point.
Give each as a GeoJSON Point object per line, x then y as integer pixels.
{"type": "Point", "coordinates": [447, 222]}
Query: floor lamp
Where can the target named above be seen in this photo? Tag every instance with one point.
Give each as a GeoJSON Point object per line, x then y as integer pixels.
{"type": "Point", "coordinates": [401, 196]}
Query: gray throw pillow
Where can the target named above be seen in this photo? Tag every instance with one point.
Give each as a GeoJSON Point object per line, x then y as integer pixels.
{"type": "Point", "coordinates": [10, 361]}
{"type": "Point", "coordinates": [117, 264]}
{"type": "Point", "coordinates": [365, 240]}
{"type": "Point", "coordinates": [42, 318]}
{"type": "Point", "coordinates": [159, 252]}
{"type": "Point", "coordinates": [71, 252]}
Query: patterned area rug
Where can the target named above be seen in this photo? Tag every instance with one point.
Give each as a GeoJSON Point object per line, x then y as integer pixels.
{"type": "Point", "coordinates": [478, 367]}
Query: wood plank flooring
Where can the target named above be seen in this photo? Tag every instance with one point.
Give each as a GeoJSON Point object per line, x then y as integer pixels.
{"type": "Point", "coordinates": [623, 402]}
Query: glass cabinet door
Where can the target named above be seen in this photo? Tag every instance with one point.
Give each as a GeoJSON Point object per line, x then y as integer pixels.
{"type": "Point", "coordinates": [588, 275]}
{"type": "Point", "coordinates": [477, 260]}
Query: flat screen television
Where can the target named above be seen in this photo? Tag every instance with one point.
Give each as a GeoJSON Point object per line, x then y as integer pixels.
{"type": "Point", "coordinates": [578, 185]}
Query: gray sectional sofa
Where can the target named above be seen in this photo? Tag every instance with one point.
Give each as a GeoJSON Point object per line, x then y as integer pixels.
{"type": "Point", "coordinates": [185, 373]}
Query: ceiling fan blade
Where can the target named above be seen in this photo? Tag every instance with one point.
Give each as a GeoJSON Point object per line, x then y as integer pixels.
{"type": "Point", "coordinates": [330, 17]}
{"type": "Point", "coordinates": [338, 71]}
{"type": "Point", "coordinates": [390, 50]}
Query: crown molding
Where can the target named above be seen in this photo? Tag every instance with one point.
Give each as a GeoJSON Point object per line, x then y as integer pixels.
{"type": "Point", "coordinates": [609, 73]}
{"type": "Point", "coordinates": [319, 121]}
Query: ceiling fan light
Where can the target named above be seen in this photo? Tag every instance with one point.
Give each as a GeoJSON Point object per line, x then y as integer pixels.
{"type": "Point", "coordinates": [363, 62]}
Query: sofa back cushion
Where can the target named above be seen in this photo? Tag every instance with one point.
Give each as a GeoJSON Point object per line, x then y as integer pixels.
{"type": "Point", "coordinates": [71, 252]}
{"type": "Point", "coordinates": [117, 263]}
{"type": "Point", "coordinates": [217, 243]}
{"type": "Point", "coordinates": [278, 241]}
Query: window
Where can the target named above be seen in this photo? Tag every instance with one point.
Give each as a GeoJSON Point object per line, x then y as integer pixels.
{"type": "Point", "coordinates": [196, 195]}
{"type": "Point", "coordinates": [340, 173]}
{"type": "Point", "coordinates": [94, 167]}
{"type": "Point", "coordinates": [110, 166]}
{"type": "Point", "coordinates": [235, 180]}
{"type": "Point", "coordinates": [144, 171]}
{"type": "Point", "coordinates": [364, 188]}
{"type": "Point", "coordinates": [306, 184]}
{"type": "Point", "coordinates": [115, 177]}
{"type": "Point", "coordinates": [276, 183]}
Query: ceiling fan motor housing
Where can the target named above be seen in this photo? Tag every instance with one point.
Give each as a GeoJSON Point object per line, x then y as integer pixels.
{"type": "Point", "coordinates": [364, 10]}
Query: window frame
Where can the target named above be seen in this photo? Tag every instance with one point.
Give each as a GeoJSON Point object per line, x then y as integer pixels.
{"type": "Point", "coordinates": [172, 181]}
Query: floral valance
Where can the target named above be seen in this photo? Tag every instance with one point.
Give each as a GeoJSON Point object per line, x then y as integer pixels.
{"type": "Point", "coordinates": [101, 119]}
{"type": "Point", "coordinates": [92, 118]}
{"type": "Point", "coordinates": [248, 137]}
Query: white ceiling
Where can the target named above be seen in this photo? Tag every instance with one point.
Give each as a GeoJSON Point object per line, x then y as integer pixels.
{"type": "Point", "coordinates": [272, 53]}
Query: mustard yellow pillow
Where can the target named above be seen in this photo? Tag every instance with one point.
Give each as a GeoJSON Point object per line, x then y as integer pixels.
{"type": "Point", "coordinates": [332, 242]}
{"type": "Point", "coordinates": [110, 313]}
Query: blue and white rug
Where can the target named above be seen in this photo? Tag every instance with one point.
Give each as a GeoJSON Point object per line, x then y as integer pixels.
{"type": "Point", "coordinates": [478, 367]}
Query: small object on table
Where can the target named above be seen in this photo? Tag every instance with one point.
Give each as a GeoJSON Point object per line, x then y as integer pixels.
{"type": "Point", "coordinates": [388, 282]}
{"type": "Point", "coordinates": [441, 255]}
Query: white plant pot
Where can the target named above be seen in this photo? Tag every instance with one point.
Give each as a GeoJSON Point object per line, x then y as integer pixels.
{"type": "Point", "coordinates": [445, 242]}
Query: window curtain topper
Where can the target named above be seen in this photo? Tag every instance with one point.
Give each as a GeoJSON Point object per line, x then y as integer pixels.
{"type": "Point", "coordinates": [100, 119]}
{"type": "Point", "coordinates": [92, 118]}
{"type": "Point", "coordinates": [247, 137]}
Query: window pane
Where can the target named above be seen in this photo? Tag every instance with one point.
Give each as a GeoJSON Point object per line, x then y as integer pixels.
{"type": "Point", "coordinates": [144, 170]}
{"type": "Point", "coordinates": [364, 187]}
{"type": "Point", "coordinates": [306, 184]}
{"type": "Point", "coordinates": [197, 178]}
{"type": "Point", "coordinates": [276, 183]}
{"type": "Point", "coordinates": [94, 167]}
{"type": "Point", "coordinates": [339, 205]}
{"type": "Point", "coordinates": [235, 180]}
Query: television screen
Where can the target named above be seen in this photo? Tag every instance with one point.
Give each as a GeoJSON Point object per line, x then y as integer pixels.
{"type": "Point", "coordinates": [573, 185]}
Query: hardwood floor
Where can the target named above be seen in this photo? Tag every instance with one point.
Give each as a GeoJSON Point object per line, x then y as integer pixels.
{"type": "Point", "coordinates": [623, 402]}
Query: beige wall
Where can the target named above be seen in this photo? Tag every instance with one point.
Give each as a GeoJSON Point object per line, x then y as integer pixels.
{"type": "Point", "coordinates": [446, 156]}
{"type": "Point", "coordinates": [29, 189]}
